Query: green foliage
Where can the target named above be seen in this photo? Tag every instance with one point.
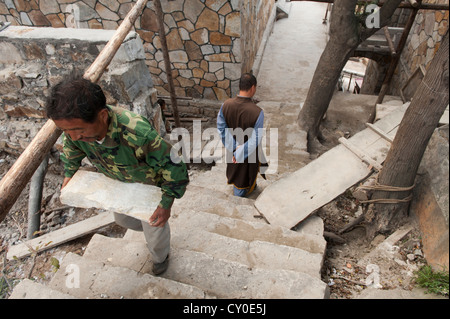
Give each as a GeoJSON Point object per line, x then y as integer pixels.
{"type": "Point", "coordinates": [55, 264]}
{"type": "Point", "coordinates": [435, 282]}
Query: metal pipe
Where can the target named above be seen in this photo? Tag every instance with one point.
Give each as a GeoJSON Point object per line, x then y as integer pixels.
{"type": "Point", "coordinates": [35, 199]}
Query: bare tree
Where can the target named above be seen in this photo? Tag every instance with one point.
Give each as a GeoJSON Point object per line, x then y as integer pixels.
{"type": "Point", "coordinates": [348, 28]}
{"type": "Point", "coordinates": [396, 179]}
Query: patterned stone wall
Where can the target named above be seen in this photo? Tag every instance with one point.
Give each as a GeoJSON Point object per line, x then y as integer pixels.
{"type": "Point", "coordinates": [423, 42]}
{"type": "Point", "coordinates": [31, 62]}
{"type": "Point", "coordinates": [205, 37]}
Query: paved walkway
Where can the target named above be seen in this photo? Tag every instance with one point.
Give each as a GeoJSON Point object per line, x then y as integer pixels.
{"type": "Point", "coordinates": [292, 53]}
{"type": "Point", "coordinates": [289, 61]}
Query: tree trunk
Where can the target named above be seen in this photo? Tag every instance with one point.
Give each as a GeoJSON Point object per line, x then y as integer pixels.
{"type": "Point", "coordinates": [415, 130]}
{"type": "Point", "coordinates": [347, 31]}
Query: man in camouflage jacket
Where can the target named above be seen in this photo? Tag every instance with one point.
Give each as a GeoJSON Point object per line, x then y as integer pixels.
{"type": "Point", "coordinates": [123, 146]}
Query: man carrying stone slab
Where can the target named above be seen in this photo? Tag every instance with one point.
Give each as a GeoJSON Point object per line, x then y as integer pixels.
{"type": "Point", "coordinates": [123, 146]}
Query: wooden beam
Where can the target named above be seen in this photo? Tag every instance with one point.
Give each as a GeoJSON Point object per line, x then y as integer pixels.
{"type": "Point", "coordinates": [396, 58]}
{"type": "Point", "coordinates": [20, 173]}
{"type": "Point", "coordinates": [358, 152]}
{"type": "Point", "coordinates": [162, 36]}
{"type": "Point", "coordinates": [389, 41]}
{"type": "Point", "coordinates": [379, 132]}
{"type": "Point", "coordinates": [403, 4]}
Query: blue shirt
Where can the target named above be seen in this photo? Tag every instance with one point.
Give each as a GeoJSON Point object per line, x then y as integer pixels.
{"type": "Point", "coordinates": [230, 143]}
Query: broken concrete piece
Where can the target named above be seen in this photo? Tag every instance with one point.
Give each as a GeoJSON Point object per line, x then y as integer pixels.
{"type": "Point", "coordinates": [386, 249]}
{"type": "Point", "coordinates": [89, 189]}
{"type": "Point", "coordinates": [291, 199]}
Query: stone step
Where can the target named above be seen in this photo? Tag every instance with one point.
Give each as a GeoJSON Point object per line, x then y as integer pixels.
{"type": "Point", "coordinates": [87, 278]}
{"type": "Point", "coordinates": [248, 230]}
{"type": "Point", "coordinates": [212, 179]}
{"type": "Point", "coordinates": [215, 179]}
{"type": "Point", "coordinates": [227, 279]}
{"type": "Point", "coordinates": [131, 251]}
{"type": "Point", "coordinates": [254, 254]}
{"type": "Point", "coordinates": [218, 277]}
{"type": "Point", "coordinates": [128, 252]}
{"type": "Point", "coordinates": [199, 198]}
{"type": "Point", "coordinates": [28, 289]}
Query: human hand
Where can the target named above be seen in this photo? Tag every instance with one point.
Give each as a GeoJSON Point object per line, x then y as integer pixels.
{"type": "Point", "coordinates": [159, 217]}
{"type": "Point", "coordinates": [65, 181]}
{"type": "Point", "coordinates": [234, 158]}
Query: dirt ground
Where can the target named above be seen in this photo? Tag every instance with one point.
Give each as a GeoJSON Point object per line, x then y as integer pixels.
{"type": "Point", "coordinates": [340, 271]}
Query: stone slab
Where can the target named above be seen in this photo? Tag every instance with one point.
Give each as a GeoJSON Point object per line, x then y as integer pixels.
{"type": "Point", "coordinates": [397, 293]}
{"type": "Point", "coordinates": [248, 231]}
{"type": "Point", "coordinates": [87, 278]}
{"type": "Point", "coordinates": [254, 254]}
{"type": "Point", "coordinates": [60, 236]}
{"type": "Point", "coordinates": [91, 35]}
{"type": "Point", "coordinates": [291, 199]}
{"type": "Point", "coordinates": [28, 289]}
{"type": "Point", "coordinates": [227, 279]}
{"type": "Point", "coordinates": [90, 189]}
{"type": "Point", "coordinates": [132, 254]}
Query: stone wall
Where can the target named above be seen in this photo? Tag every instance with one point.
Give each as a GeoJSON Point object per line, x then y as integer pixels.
{"type": "Point", "coordinates": [424, 40]}
{"type": "Point", "coordinates": [431, 200]}
{"type": "Point", "coordinates": [208, 47]}
{"type": "Point", "coordinates": [32, 61]}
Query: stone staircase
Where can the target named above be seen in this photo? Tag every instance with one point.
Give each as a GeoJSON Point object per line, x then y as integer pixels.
{"type": "Point", "coordinates": [221, 248]}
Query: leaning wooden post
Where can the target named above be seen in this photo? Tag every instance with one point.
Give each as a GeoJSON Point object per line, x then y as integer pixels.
{"type": "Point", "coordinates": [20, 173]}
{"type": "Point", "coordinates": [396, 58]}
{"type": "Point", "coordinates": [162, 36]}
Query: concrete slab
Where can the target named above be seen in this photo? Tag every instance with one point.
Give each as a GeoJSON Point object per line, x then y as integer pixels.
{"type": "Point", "coordinates": [397, 293]}
{"type": "Point", "coordinates": [290, 200]}
{"type": "Point", "coordinates": [60, 236]}
{"type": "Point", "coordinates": [90, 189]}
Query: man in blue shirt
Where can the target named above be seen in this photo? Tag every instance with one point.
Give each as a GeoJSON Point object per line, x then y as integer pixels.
{"type": "Point", "coordinates": [240, 125]}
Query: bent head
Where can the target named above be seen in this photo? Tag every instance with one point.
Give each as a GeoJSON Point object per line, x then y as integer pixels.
{"type": "Point", "coordinates": [78, 107]}
{"type": "Point", "coordinates": [247, 84]}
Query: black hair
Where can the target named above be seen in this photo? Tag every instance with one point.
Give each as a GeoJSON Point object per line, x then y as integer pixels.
{"type": "Point", "coordinates": [247, 81]}
{"type": "Point", "coordinates": [75, 97]}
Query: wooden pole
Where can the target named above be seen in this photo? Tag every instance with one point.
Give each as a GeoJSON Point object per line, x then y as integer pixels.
{"type": "Point", "coordinates": [396, 58]}
{"type": "Point", "coordinates": [95, 71]}
{"type": "Point", "coordinates": [20, 173]}
{"type": "Point", "coordinates": [389, 41]}
{"type": "Point", "coordinates": [165, 50]}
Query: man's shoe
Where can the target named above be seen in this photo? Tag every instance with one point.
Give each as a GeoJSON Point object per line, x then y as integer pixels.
{"type": "Point", "coordinates": [159, 268]}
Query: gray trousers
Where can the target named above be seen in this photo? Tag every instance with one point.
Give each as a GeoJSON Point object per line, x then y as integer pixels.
{"type": "Point", "coordinates": [157, 238]}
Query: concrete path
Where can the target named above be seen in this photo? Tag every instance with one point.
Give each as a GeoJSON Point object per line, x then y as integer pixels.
{"type": "Point", "coordinates": [292, 54]}
{"type": "Point", "coordinates": [290, 59]}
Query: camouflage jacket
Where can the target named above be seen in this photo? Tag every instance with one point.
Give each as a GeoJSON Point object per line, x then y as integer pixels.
{"type": "Point", "coordinates": [132, 151]}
